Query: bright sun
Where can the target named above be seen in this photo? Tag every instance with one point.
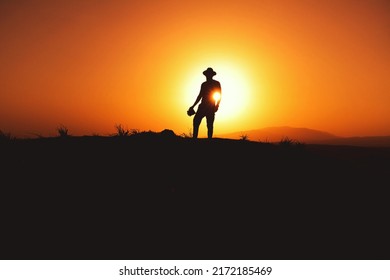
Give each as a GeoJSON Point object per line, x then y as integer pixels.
{"type": "Point", "coordinates": [235, 94]}
{"type": "Point", "coordinates": [217, 96]}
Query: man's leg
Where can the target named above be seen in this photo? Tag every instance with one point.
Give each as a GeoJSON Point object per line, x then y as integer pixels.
{"type": "Point", "coordinates": [196, 123]}
{"type": "Point", "coordinates": [210, 125]}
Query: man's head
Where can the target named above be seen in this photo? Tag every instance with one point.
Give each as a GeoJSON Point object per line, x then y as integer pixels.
{"type": "Point", "coordinates": [209, 73]}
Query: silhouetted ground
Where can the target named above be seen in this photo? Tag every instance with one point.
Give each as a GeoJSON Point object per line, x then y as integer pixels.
{"type": "Point", "coordinates": [158, 196]}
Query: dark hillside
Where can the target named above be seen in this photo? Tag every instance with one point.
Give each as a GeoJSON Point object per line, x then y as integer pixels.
{"type": "Point", "coordinates": [159, 196]}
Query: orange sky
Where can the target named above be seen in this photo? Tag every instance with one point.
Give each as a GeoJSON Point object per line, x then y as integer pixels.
{"type": "Point", "coordinates": [90, 65]}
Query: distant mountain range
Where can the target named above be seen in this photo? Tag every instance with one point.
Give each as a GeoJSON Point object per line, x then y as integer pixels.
{"type": "Point", "coordinates": [306, 135]}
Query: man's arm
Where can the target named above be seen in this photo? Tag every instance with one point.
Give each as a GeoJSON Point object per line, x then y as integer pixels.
{"type": "Point", "coordinates": [196, 101]}
{"type": "Point", "coordinates": [198, 98]}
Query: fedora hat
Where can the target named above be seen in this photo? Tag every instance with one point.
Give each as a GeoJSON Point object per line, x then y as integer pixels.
{"type": "Point", "coordinates": [209, 72]}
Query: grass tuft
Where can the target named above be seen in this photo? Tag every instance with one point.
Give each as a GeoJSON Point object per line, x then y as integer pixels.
{"type": "Point", "coordinates": [244, 137]}
{"type": "Point", "coordinates": [63, 131]}
{"type": "Point", "coordinates": [187, 135]}
{"type": "Point", "coordinates": [5, 136]}
{"type": "Point", "coordinates": [123, 132]}
{"type": "Point", "coordinates": [288, 142]}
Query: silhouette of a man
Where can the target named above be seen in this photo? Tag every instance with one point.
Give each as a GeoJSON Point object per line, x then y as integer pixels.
{"type": "Point", "coordinates": [210, 97]}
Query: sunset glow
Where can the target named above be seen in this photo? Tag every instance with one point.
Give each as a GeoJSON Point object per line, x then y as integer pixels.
{"type": "Point", "coordinates": [90, 65]}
